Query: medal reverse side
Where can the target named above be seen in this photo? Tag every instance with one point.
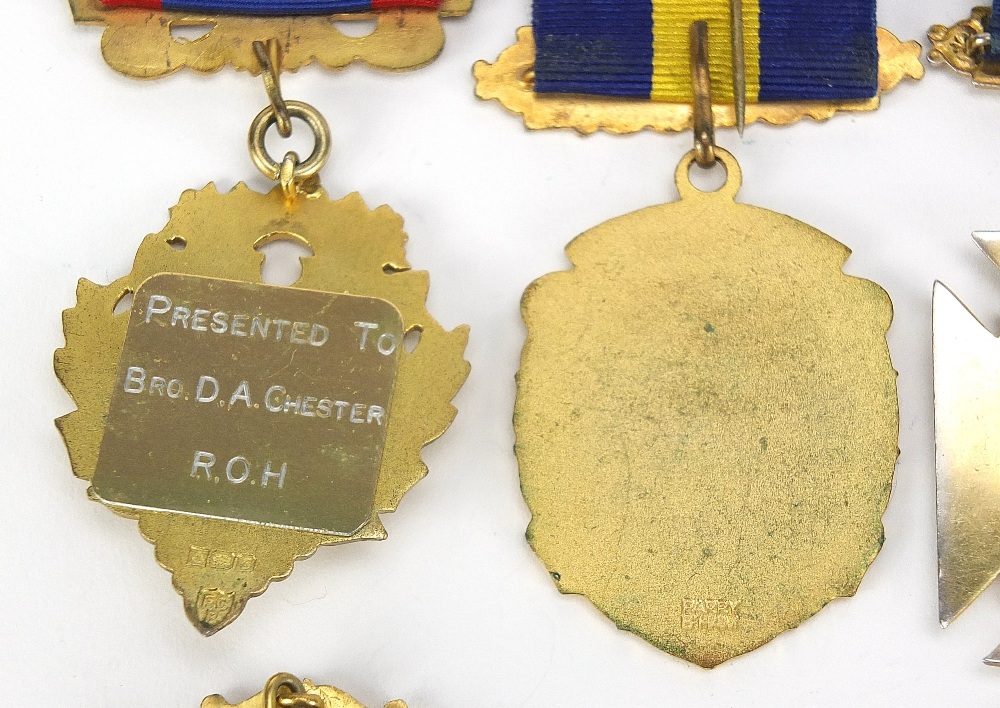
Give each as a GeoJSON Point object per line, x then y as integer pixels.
{"type": "Point", "coordinates": [706, 422]}
{"type": "Point", "coordinates": [212, 433]}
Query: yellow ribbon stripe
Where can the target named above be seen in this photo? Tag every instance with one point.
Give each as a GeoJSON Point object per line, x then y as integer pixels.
{"type": "Point", "coordinates": [671, 49]}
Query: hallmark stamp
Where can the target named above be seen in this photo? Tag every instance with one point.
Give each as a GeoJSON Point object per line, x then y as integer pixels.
{"type": "Point", "coordinates": [710, 614]}
{"type": "Point", "coordinates": [201, 557]}
{"type": "Point", "coordinates": [213, 605]}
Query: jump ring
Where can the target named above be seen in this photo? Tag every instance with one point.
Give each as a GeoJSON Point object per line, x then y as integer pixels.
{"type": "Point", "coordinates": [268, 117]}
{"type": "Point", "coordinates": [273, 688]}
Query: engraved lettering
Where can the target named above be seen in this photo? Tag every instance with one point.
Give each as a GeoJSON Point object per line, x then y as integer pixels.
{"type": "Point", "coordinates": [223, 359]}
{"type": "Point", "coordinates": [268, 474]}
{"type": "Point", "coordinates": [386, 344]}
{"type": "Point", "coordinates": [220, 322]}
{"type": "Point", "coordinates": [261, 325]}
{"type": "Point", "coordinates": [233, 465]}
{"type": "Point", "coordinates": [298, 335]}
{"type": "Point", "coordinates": [199, 320]}
{"type": "Point", "coordinates": [157, 305]}
{"type": "Point", "coordinates": [203, 461]}
{"type": "Point", "coordinates": [199, 393]}
{"type": "Point", "coordinates": [293, 405]}
{"type": "Point", "coordinates": [278, 400]}
{"type": "Point", "coordinates": [319, 335]}
{"type": "Point", "coordinates": [174, 388]}
{"type": "Point", "coordinates": [135, 379]}
{"type": "Point", "coordinates": [158, 385]}
{"type": "Point", "coordinates": [242, 393]}
{"type": "Point", "coordinates": [238, 470]}
{"type": "Point", "coordinates": [273, 397]}
{"type": "Point", "coordinates": [236, 326]}
{"type": "Point", "coordinates": [135, 382]}
{"type": "Point", "coordinates": [365, 327]}
{"type": "Point", "coordinates": [182, 315]}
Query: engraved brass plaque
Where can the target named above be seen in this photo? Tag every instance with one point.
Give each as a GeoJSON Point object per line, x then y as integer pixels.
{"type": "Point", "coordinates": [251, 403]}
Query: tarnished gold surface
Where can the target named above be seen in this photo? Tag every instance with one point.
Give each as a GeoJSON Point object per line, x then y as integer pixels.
{"type": "Point", "coordinates": [966, 390]}
{"type": "Point", "coordinates": [706, 422]}
{"type": "Point", "coordinates": [962, 47]}
{"type": "Point", "coordinates": [252, 403]}
{"type": "Point", "coordinates": [218, 565]}
{"type": "Point", "coordinates": [509, 80]}
{"type": "Point", "coordinates": [311, 696]}
{"type": "Point", "coordinates": [139, 42]}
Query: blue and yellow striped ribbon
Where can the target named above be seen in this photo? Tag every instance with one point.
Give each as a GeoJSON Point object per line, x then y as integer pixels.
{"type": "Point", "coordinates": [796, 50]}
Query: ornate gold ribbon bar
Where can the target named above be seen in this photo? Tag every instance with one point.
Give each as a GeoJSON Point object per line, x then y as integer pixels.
{"type": "Point", "coordinates": [510, 81]}
{"type": "Point", "coordinates": [142, 43]}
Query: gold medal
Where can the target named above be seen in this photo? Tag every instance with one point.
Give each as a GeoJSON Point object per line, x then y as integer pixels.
{"type": "Point", "coordinates": [706, 419]}
{"type": "Point", "coordinates": [243, 425]}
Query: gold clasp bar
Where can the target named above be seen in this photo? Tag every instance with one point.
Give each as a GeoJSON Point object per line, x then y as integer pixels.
{"type": "Point", "coordinates": [510, 80]}
{"type": "Point", "coordinates": [964, 47]}
{"type": "Point", "coordinates": [142, 43]}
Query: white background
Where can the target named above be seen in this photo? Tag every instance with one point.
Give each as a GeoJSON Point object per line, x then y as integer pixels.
{"type": "Point", "coordinates": [454, 610]}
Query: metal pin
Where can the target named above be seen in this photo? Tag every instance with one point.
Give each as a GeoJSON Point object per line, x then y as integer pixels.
{"type": "Point", "coordinates": [736, 35]}
{"type": "Point", "coordinates": [701, 84]}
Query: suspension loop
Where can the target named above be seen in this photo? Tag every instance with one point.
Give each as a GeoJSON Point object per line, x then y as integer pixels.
{"type": "Point", "coordinates": [302, 170]}
{"type": "Point", "coordinates": [287, 691]}
{"type": "Point", "coordinates": [701, 84]}
{"type": "Point", "coordinates": [280, 686]}
{"type": "Point", "coordinates": [269, 58]}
